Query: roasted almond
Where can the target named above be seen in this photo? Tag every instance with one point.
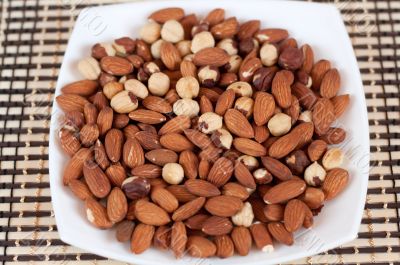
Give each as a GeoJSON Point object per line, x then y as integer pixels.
{"type": "Point", "coordinates": [175, 142]}
{"type": "Point", "coordinates": [280, 234]}
{"type": "Point", "coordinates": [225, 102]}
{"type": "Point", "coordinates": [161, 157]}
{"type": "Point", "coordinates": [281, 89]}
{"type": "Point", "coordinates": [178, 239]}
{"type": "Point", "coordinates": [201, 188]}
{"type": "Point", "coordinates": [117, 205]}
{"type": "Point", "coordinates": [284, 191]}
{"type": "Point", "coordinates": [148, 140]}
{"type": "Point", "coordinates": [116, 65]}
{"type": "Point", "coordinates": [220, 172]}
{"type": "Point", "coordinates": [190, 163]}
{"type": "Point", "coordinates": [272, 35]}
{"type": "Point", "coordinates": [82, 87]}
{"type": "Point", "coordinates": [113, 144]}
{"type": "Point", "coordinates": [274, 212]}
{"type": "Point", "coordinates": [261, 237]}
{"type": "Point", "coordinates": [142, 237]}
{"type": "Point", "coordinates": [294, 215]}
{"type": "Point", "coordinates": [188, 209]}
{"type": "Point", "coordinates": [225, 247]}
{"type": "Point", "coordinates": [165, 14]}
{"type": "Point", "coordinates": [132, 153]}
{"type": "Point", "coordinates": [157, 104]}
{"type": "Point", "coordinates": [147, 116]}
{"type": "Point", "coordinates": [264, 107]}
{"type": "Point", "coordinates": [223, 205]}
{"type": "Point", "coordinates": [96, 213]}
{"type": "Point", "coordinates": [211, 56]}
{"type": "Point", "coordinates": [164, 199]}
{"type": "Point", "coordinates": [198, 138]}
{"type": "Point", "coordinates": [80, 189]}
{"type": "Point", "coordinates": [225, 29]}
{"type": "Point", "coordinates": [249, 147]}
{"type": "Point", "coordinates": [277, 168]}
{"type": "Point", "coordinates": [236, 190]}
{"type": "Point", "coordinates": [200, 247]}
{"type": "Point", "coordinates": [330, 83]}
{"type": "Point", "coordinates": [243, 175]}
{"type": "Point", "coordinates": [175, 125]}
{"type": "Point", "coordinates": [340, 104]}
{"type": "Point", "coordinates": [323, 114]}
{"type": "Point", "coordinates": [241, 238]}
{"type": "Point", "coordinates": [181, 193]}
{"type": "Point", "coordinates": [151, 214]}
{"type": "Point", "coordinates": [335, 182]}
{"type": "Point", "coordinates": [216, 225]}
{"type": "Point", "coordinates": [96, 180]}
{"type": "Point", "coordinates": [316, 149]}
{"type": "Point", "coordinates": [71, 102]}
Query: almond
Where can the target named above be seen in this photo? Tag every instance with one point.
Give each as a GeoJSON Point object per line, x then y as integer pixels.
{"type": "Point", "coordinates": [323, 114]}
{"type": "Point", "coordinates": [225, 102]}
{"type": "Point", "coordinates": [334, 136]}
{"type": "Point", "coordinates": [188, 209]}
{"type": "Point", "coordinates": [272, 35]}
{"type": "Point", "coordinates": [116, 65]}
{"type": "Point", "coordinates": [147, 171]}
{"type": "Point", "coordinates": [132, 153]}
{"type": "Point", "coordinates": [147, 116]}
{"type": "Point", "coordinates": [335, 182]}
{"type": "Point", "coordinates": [308, 219]}
{"type": "Point", "coordinates": [308, 56]}
{"type": "Point", "coordinates": [211, 56]}
{"type": "Point", "coordinates": [190, 163]}
{"type": "Point", "coordinates": [248, 67]}
{"type": "Point", "coordinates": [306, 132]}
{"type": "Point", "coordinates": [274, 212]}
{"type": "Point", "coordinates": [89, 134]}
{"type": "Point", "coordinates": [117, 205]}
{"type": "Point", "coordinates": [223, 205]}
{"type": "Point", "coordinates": [198, 138]}
{"type": "Point", "coordinates": [82, 87]}
{"type": "Point", "coordinates": [261, 133]}
{"type": "Point", "coordinates": [277, 168]}
{"type": "Point", "coordinates": [141, 238]}
{"type": "Point", "coordinates": [211, 153]}
{"type": "Point", "coordinates": [165, 14]}
{"type": "Point", "coordinates": [188, 68]}
{"type": "Point", "coordinates": [162, 237]}
{"type": "Point", "coordinates": [236, 190]}
{"type": "Point", "coordinates": [294, 215]}
{"type": "Point", "coordinates": [175, 142]}
{"type": "Point", "coordinates": [116, 174]}
{"type": "Point", "coordinates": [97, 214]}
{"type": "Point", "coordinates": [248, 29]}
{"type": "Point", "coordinates": [205, 105]}
{"type": "Point", "coordinates": [105, 120]}
{"type": "Point", "coordinates": [318, 72]}
{"type": "Point", "coordinates": [204, 168]}
{"type": "Point", "coordinates": [201, 188]}
{"type": "Point", "coordinates": [73, 170]}
{"type": "Point", "coordinates": [280, 234]}
{"type": "Point", "coordinates": [216, 225]}
{"type": "Point", "coordinates": [91, 113]}
{"type": "Point", "coordinates": [257, 204]}
{"type": "Point", "coordinates": [249, 147]}
{"type": "Point", "coordinates": [80, 189]}
{"type": "Point", "coordinates": [264, 107]}
{"type": "Point", "coordinates": [340, 104]}
{"type": "Point", "coordinates": [124, 230]}
{"type": "Point", "coordinates": [196, 221]}
{"type": "Point", "coordinates": [220, 172]}
{"type": "Point", "coordinates": [100, 155]}
{"type": "Point", "coordinates": [170, 55]}
{"type": "Point", "coordinates": [243, 175]}
{"type": "Point", "coordinates": [330, 83]}
{"type": "Point", "coordinates": [96, 180]}
{"type": "Point", "coordinates": [281, 90]}
{"type": "Point", "coordinates": [294, 110]}
{"type": "Point", "coordinates": [161, 157]}
{"type": "Point", "coordinates": [313, 197]}
{"type": "Point", "coordinates": [241, 238]}
{"type": "Point", "coordinates": [71, 102]}
{"type": "Point", "coordinates": [305, 95]}
{"type": "Point", "coordinates": [148, 140]}
{"type": "Point", "coordinates": [69, 141]}
{"type": "Point", "coordinates": [225, 247]}
{"type": "Point", "coordinates": [157, 104]}
{"type": "Point", "coordinates": [178, 239]}
{"type": "Point", "coordinates": [151, 214]}
{"type": "Point", "coordinates": [164, 199]}
{"type": "Point", "coordinates": [181, 193]}
{"type": "Point", "coordinates": [113, 144]}
{"type": "Point", "coordinates": [215, 16]}
{"type": "Point", "coordinates": [261, 237]}
{"type": "Point", "coordinates": [200, 247]}
{"type": "Point", "coordinates": [226, 29]}
{"type": "Point", "coordinates": [285, 144]}
{"type": "Point", "coordinates": [237, 124]}
{"type": "Point", "coordinates": [316, 149]}
{"type": "Point", "coordinates": [284, 191]}
{"type": "Point", "coordinates": [176, 125]}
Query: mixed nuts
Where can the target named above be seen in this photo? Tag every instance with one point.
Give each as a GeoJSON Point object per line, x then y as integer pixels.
{"type": "Point", "coordinates": [204, 136]}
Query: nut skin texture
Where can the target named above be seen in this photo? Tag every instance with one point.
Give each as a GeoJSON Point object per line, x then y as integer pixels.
{"type": "Point", "coordinates": [297, 161]}
{"type": "Point", "coordinates": [136, 187]}
{"type": "Point", "coordinates": [291, 58]}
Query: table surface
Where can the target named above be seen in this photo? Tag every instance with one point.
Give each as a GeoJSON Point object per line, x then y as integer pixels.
{"type": "Point", "coordinates": [33, 38]}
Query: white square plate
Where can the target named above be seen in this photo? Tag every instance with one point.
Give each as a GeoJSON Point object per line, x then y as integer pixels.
{"type": "Point", "coordinates": [320, 26]}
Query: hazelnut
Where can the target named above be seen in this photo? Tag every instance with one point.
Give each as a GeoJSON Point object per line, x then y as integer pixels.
{"type": "Point", "coordinates": [124, 102]}
{"type": "Point", "coordinates": [89, 68]}
{"type": "Point", "coordinates": [150, 32]}
{"type": "Point", "coordinates": [188, 57]}
{"type": "Point", "coordinates": [187, 107]}
{"type": "Point", "coordinates": [158, 84]}
{"type": "Point", "coordinates": [222, 138]}
{"type": "Point", "coordinates": [227, 78]}
{"type": "Point", "coordinates": [291, 58]}
{"type": "Point", "coordinates": [202, 40]}
{"type": "Point", "coordinates": [229, 45]}
{"type": "Point", "coordinates": [247, 45]}
{"type": "Point", "coordinates": [136, 187]}
{"type": "Point", "coordinates": [137, 88]}
{"type": "Point", "coordinates": [245, 106]}
{"type": "Point", "coordinates": [124, 45]}
{"type": "Point", "coordinates": [262, 79]}
{"type": "Point", "coordinates": [249, 161]}
{"type": "Point", "coordinates": [262, 176]}
{"type": "Point", "coordinates": [100, 50]}
{"type": "Point", "coordinates": [105, 78]}
{"type": "Point", "coordinates": [135, 60]}
{"type": "Point", "coordinates": [313, 197]}
{"type": "Point", "coordinates": [208, 75]}
{"type": "Point", "coordinates": [172, 173]}
{"type": "Point", "coordinates": [245, 216]}
{"type": "Point", "coordinates": [199, 28]}
{"type": "Point", "coordinates": [332, 158]}
{"type": "Point", "coordinates": [209, 122]}
{"type": "Point", "coordinates": [314, 174]}
{"type": "Point", "coordinates": [268, 54]}
{"type": "Point", "coordinates": [242, 89]}
{"type": "Point", "coordinates": [155, 49]}
{"type": "Point", "coordinates": [297, 161]}
{"type": "Point", "coordinates": [151, 68]}
{"type": "Point", "coordinates": [172, 31]}
{"type": "Point", "coordinates": [112, 88]}
{"type": "Point", "coordinates": [279, 124]}
{"type": "Point", "coordinates": [187, 87]}
{"type": "Point", "coordinates": [306, 116]}
{"type": "Point", "coordinates": [184, 47]}
{"type": "Point", "coordinates": [304, 78]}
{"type": "Point", "coordinates": [142, 75]}
{"type": "Point", "coordinates": [233, 64]}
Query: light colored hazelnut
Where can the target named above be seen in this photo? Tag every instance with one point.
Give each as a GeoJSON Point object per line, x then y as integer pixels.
{"type": "Point", "coordinates": [268, 54]}
{"type": "Point", "coordinates": [209, 122]}
{"type": "Point", "coordinates": [279, 124]}
{"type": "Point", "coordinates": [314, 174]}
{"type": "Point", "coordinates": [222, 138]}
{"type": "Point", "coordinates": [100, 50]}
{"type": "Point", "coordinates": [137, 88]}
{"type": "Point", "coordinates": [172, 173]}
{"type": "Point", "coordinates": [187, 107]}
{"type": "Point", "coordinates": [249, 161]}
{"type": "Point", "coordinates": [241, 88]}
{"type": "Point", "coordinates": [151, 68]}
{"type": "Point", "coordinates": [306, 116]}
{"type": "Point", "coordinates": [150, 32]}
{"type": "Point", "coordinates": [208, 75]}
{"type": "Point", "coordinates": [123, 79]}
{"type": "Point", "coordinates": [124, 102]}
{"type": "Point", "coordinates": [112, 88]}
{"type": "Point", "coordinates": [155, 49]}
{"type": "Point", "coordinates": [245, 216]}
{"type": "Point", "coordinates": [158, 84]}
{"type": "Point", "coordinates": [229, 46]}
{"type": "Point", "coordinates": [332, 158]}
{"type": "Point", "coordinates": [262, 176]}
{"type": "Point", "coordinates": [89, 68]}
{"type": "Point", "coordinates": [187, 87]}
{"type": "Point", "coordinates": [189, 57]}
{"type": "Point", "coordinates": [202, 40]}
{"type": "Point", "coordinates": [172, 31]}
{"type": "Point", "coordinates": [245, 106]}
{"type": "Point", "coordinates": [233, 64]}
{"type": "Point", "coordinates": [184, 47]}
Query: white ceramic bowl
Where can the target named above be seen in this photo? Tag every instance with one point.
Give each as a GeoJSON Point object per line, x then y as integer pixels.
{"type": "Point", "coordinates": [320, 26]}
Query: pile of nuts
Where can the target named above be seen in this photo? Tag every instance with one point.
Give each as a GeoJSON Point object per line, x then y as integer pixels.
{"type": "Point", "coordinates": [203, 136]}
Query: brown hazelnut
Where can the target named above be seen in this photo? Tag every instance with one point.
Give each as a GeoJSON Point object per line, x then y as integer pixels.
{"type": "Point", "coordinates": [124, 45]}
{"type": "Point", "coordinates": [297, 161]}
{"type": "Point", "coordinates": [222, 138]}
{"type": "Point", "coordinates": [135, 60]}
{"type": "Point", "coordinates": [208, 75]}
{"type": "Point", "coordinates": [262, 79]}
{"type": "Point", "coordinates": [233, 65]}
{"type": "Point", "coordinates": [247, 45]}
{"type": "Point", "coordinates": [229, 45]}
{"type": "Point", "coordinates": [100, 50]}
{"type": "Point", "coordinates": [136, 187]}
{"type": "Point", "coordinates": [199, 28]}
{"type": "Point", "coordinates": [291, 58]}
{"type": "Point", "coordinates": [151, 68]}
{"type": "Point", "coordinates": [262, 176]}
{"type": "Point", "coordinates": [105, 78]}
{"type": "Point", "coordinates": [142, 75]}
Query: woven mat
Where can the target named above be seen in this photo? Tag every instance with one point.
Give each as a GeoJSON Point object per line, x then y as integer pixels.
{"type": "Point", "coordinates": [33, 37]}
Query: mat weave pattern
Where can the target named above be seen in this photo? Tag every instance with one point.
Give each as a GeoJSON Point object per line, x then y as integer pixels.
{"type": "Point", "coordinates": [33, 38]}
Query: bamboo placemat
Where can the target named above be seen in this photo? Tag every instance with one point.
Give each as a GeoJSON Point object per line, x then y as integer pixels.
{"type": "Point", "coordinates": [33, 37]}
